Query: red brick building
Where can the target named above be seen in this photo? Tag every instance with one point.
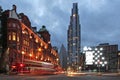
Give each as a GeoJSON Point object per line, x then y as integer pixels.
{"type": "Point", "coordinates": [20, 41]}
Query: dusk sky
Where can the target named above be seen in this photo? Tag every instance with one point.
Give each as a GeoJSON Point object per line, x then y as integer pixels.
{"type": "Point", "coordinates": [99, 19]}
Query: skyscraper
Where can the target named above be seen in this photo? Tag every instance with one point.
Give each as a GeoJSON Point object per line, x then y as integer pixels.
{"type": "Point", "coordinates": [74, 39]}
{"type": "Point", "coordinates": [62, 56]}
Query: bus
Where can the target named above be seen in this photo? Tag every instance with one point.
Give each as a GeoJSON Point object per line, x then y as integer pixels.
{"type": "Point", "coordinates": [35, 67]}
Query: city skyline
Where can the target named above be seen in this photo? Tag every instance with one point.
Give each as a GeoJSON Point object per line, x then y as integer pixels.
{"type": "Point", "coordinates": [55, 16]}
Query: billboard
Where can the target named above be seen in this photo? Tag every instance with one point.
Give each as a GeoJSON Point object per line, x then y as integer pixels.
{"type": "Point", "coordinates": [89, 57]}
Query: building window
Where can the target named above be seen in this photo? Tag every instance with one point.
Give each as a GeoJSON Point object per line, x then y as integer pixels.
{"type": "Point", "coordinates": [9, 36]}
{"type": "Point", "coordinates": [74, 15]}
{"type": "Point", "coordinates": [36, 40]}
{"type": "Point", "coordinates": [23, 41]}
{"type": "Point", "coordinates": [13, 36]}
{"type": "Point", "coordinates": [25, 32]}
{"type": "Point", "coordinates": [18, 26]}
{"type": "Point", "coordinates": [14, 25]}
{"type": "Point", "coordinates": [9, 24]}
{"type": "Point", "coordinates": [74, 44]}
{"type": "Point", "coordinates": [18, 39]}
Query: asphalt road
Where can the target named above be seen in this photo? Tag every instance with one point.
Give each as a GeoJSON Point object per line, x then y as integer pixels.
{"type": "Point", "coordinates": [59, 77]}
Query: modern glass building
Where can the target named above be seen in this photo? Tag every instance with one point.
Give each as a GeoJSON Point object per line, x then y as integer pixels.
{"type": "Point", "coordinates": [74, 39]}
{"type": "Point", "coordinates": [62, 56]}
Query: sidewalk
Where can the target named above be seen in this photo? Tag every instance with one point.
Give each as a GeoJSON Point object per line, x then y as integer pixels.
{"type": "Point", "coordinates": [111, 74]}
{"type": "Point", "coordinates": [102, 74]}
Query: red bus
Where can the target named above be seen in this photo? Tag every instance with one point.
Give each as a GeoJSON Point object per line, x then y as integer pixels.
{"type": "Point", "coordinates": [35, 67]}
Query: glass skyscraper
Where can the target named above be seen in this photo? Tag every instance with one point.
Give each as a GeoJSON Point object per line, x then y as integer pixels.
{"type": "Point", "coordinates": [74, 39]}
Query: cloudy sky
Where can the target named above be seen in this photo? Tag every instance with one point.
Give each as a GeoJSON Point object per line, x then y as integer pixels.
{"type": "Point", "coordinates": [99, 19]}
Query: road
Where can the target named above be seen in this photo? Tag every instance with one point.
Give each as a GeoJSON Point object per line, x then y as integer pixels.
{"type": "Point", "coordinates": [61, 77]}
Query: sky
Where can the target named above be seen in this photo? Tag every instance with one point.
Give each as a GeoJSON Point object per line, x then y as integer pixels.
{"type": "Point", "coordinates": [99, 19]}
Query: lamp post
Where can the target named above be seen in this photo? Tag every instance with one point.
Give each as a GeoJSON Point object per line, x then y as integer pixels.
{"type": "Point", "coordinates": [57, 61]}
{"type": "Point", "coordinates": [23, 56]}
{"type": "Point", "coordinates": [30, 56]}
{"type": "Point", "coordinates": [22, 60]}
{"type": "Point", "coordinates": [99, 67]}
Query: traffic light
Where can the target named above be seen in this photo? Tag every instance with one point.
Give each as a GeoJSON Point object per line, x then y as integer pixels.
{"type": "Point", "coordinates": [21, 65]}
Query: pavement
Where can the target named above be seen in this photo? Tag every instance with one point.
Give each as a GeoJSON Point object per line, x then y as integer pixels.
{"type": "Point", "coordinates": [96, 73]}
{"type": "Point", "coordinates": [102, 74]}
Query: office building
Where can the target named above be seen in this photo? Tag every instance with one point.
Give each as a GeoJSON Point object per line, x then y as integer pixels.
{"type": "Point", "coordinates": [103, 57]}
{"type": "Point", "coordinates": [74, 39]}
{"type": "Point", "coordinates": [63, 57]}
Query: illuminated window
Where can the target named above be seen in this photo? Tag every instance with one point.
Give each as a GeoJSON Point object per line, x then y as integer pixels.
{"type": "Point", "coordinates": [25, 42]}
{"type": "Point", "coordinates": [36, 40]}
{"type": "Point", "coordinates": [18, 39]}
{"type": "Point", "coordinates": [25, 32]}
{"type": "Point", "coordinates": [45, 47]}
{"type": "Point", "coordinates": [13, 36]}
{"type": "Point", "coordinates": [74, 15]}
{"type": "Point", "coordinates": [9, 37]}
{"type": "Point", "coordinates": [30, 37]}
{"type": "Point", "coordinates": [36, 57]}
{"type": "Point", "coordinates": [49, 42]}
{"type": "Point", "coordinates": [74, 44]}
{"type": "Point", "coordinates": [39, 49]}
{"type": "Point", "coordinates": [41, 44]}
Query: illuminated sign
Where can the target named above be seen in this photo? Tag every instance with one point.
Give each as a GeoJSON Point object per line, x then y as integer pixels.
{"type": "Point", "coordinates": [89, 58]}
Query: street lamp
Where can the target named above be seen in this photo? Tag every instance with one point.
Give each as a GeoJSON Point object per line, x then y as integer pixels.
{"type": "Point", "coordinates": [23, 56]}
{"type": "Point", "coordinates": [98, 66]}
{"type": "Point", "coordinates": [36, 57]}
{"type": "Point", "coordinates": [57, 60]}
{"type": "Point", "coordinates": [39, 49]}
{"type": "Point", "coordinates": [30, 55]}
{"type": "Point", "coordinates": [21, 65]}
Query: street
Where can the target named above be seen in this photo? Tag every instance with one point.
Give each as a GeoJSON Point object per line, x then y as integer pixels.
{"type": "Point", "coordinates": [61, 77]}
